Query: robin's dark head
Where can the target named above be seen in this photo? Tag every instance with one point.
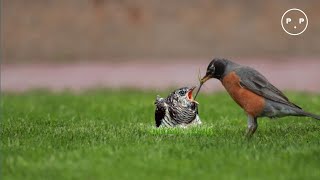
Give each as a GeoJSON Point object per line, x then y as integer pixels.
{"type": "Point", "coordinates": [215, 69]}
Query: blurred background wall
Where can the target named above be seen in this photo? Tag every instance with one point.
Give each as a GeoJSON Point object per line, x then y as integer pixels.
{"type": "Point", "coordinates": [93, 30]}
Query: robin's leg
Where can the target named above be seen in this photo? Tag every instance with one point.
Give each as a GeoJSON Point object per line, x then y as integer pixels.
{"type": "Point", "coordinates": [252, 125]}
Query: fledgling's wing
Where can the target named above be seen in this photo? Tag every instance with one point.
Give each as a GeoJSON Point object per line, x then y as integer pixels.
{"type": "Point", "coordinates": [160, 110]}
{"type": "Point", "coordinates": [258, 84]}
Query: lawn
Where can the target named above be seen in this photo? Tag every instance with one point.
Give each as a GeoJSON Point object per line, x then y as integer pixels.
{"type": "Point", "coordinates": [103, 134]}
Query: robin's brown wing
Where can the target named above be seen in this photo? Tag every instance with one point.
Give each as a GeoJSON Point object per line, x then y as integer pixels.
{"type": "Point", "coordinates": [258, 84]}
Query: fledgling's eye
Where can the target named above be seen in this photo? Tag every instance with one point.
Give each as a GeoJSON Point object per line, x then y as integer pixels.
{"type": "Point", "coordinates": [182, 93]}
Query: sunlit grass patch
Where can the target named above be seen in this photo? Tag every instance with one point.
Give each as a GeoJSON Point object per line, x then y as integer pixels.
{"type": "Point", "coordinates": [194, 130]}
{"type": "Point", "coordinates": [102, 134]}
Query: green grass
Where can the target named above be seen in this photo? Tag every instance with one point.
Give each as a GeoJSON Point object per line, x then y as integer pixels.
{"type": "Point", "coordinates": [110, 135]}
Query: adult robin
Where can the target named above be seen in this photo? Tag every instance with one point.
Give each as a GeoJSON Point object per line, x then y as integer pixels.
{"type": "Point", "coordinates": [252, 92]}
{"type": "Point", "coordinates": [178, 109]}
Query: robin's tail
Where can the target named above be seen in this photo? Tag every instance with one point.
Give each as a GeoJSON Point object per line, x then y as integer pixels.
{"type": "Point", "coordinates": [310, 115]}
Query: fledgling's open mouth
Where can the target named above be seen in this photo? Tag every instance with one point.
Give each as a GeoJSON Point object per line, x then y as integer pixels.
{"type": "Point", "coordinates": [189, 95]}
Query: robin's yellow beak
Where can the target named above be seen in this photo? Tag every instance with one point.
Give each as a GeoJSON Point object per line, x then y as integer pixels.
{"type": "Point", "coordinates": [204, 79]}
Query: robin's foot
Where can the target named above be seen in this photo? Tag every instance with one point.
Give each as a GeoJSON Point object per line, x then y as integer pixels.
{"type": "Point", "coordinates": [252, 126]}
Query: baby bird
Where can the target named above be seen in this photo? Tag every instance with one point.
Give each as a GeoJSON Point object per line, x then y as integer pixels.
{"type": "Point", "coordinates": [178, 109]}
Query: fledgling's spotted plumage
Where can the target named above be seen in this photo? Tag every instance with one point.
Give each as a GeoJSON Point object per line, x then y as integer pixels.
{"type": "Point", "coordinates": [178, 109]}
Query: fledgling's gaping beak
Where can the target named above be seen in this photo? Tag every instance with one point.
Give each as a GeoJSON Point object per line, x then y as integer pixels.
{"type": "Point", "coordinates": [189, 95]}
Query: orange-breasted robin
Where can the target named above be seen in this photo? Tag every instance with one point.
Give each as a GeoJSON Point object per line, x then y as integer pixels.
{"type": "Point", "coordinates": [252, 92]}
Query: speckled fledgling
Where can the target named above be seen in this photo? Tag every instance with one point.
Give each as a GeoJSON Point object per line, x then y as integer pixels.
{"type": "Point", "coordinates": [178, 109]}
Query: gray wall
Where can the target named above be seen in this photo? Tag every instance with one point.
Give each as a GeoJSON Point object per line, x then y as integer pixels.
{"type": "Point", "coordinates": [65, 30]}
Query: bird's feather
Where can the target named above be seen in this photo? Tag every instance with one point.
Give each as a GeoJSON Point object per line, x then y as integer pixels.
{"type": "Point", "coordinates": [258, 84]}
{"type": "Point", "coordinates": [181, 116]}
{"type": "Point", "coordinates": [160, 110]}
